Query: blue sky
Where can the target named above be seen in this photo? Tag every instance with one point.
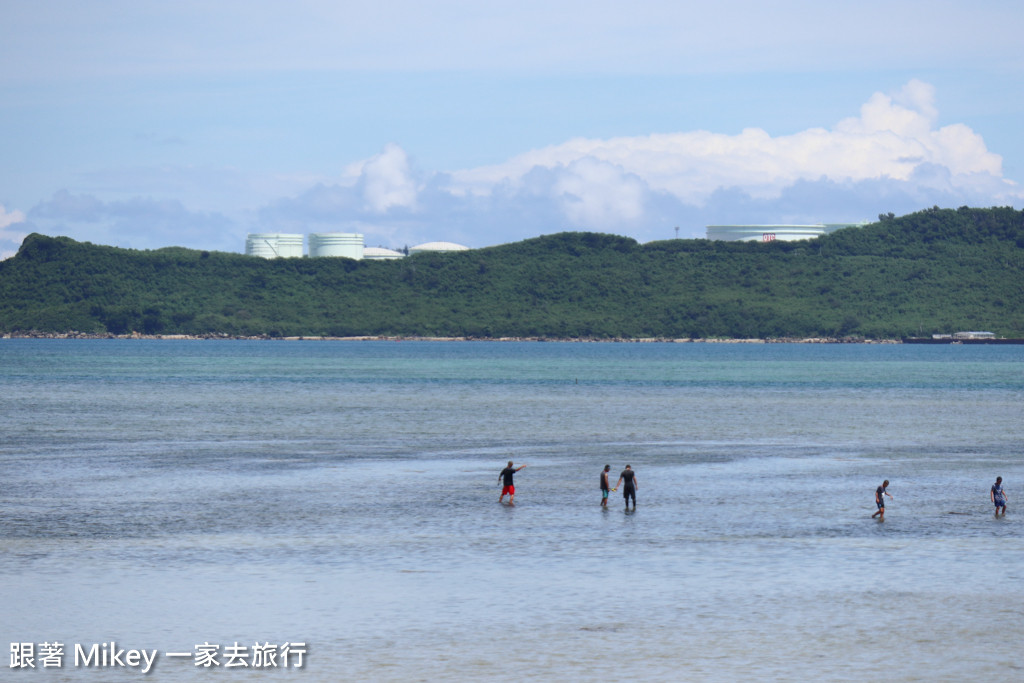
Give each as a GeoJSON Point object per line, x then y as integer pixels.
{"type": "Point", "coordinates": [150, 124]}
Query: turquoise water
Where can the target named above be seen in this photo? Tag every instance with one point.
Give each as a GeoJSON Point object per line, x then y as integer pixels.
{"type": "Point", "coordinates": [344, 494]}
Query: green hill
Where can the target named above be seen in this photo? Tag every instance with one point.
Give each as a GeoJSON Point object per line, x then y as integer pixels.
{"type": "Point", "coordinates": [932, 271]}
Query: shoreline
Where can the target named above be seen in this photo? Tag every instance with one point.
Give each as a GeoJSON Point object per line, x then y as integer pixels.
{"type": "Point", "coordinates": [581, 340]}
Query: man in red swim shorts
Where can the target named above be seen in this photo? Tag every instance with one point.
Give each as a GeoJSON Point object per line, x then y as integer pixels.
{"type": "Point", "coordinates": [507, 485]}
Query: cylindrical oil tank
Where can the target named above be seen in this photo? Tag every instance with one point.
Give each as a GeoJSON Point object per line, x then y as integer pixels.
{"type": "Point", "coordinates": [347, 244]}
{"type": "Point", "coordinates": [381, 254]}
{"type": "Point", "coordinates": [764, 233]}
{"type": "Point", "coordinates": [273, 245]}
{"type": "Point", "coordinates": [437, 246]}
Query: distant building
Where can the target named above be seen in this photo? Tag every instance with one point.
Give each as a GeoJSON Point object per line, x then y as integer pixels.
{"type": "Point", "coordinates": [332, 244]}
{"type": "Point", "coordinates": [974, 335]}
{"type": "Point", "coordinates": [771, 233]}
{"type": "Point", "coordinates": [437, 246]}
{"type": "Point", "coordinates": [273, 245]}
{"type": "Point", "coordinates": [347, 244]}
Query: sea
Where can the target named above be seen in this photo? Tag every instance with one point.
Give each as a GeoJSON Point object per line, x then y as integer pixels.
{"type": "Point", "coordinates": [328, 511]}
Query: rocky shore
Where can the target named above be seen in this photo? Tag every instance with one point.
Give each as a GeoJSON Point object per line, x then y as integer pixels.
{"type": "Point", "coordinates": [214, 335]}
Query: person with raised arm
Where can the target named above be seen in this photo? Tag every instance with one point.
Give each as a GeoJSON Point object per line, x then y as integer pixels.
{"type": "Point", "coordinates": [508, 486]}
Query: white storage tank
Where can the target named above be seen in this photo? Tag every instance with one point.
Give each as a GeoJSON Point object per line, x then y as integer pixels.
{"type": "Point", "coordinates": [771, 233]}
{"type": "Point", "coordinates": [347, 244]}
{"type": "Point", "coordinates": [437, 246]}
{"type": "Point", "coordinates": [273, 245]}
{"type": "Point", "coordinates": [381, 254]}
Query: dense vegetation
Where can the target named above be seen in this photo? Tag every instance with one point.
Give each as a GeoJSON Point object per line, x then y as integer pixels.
{"type": "Point", "coordinates": [932, 271]}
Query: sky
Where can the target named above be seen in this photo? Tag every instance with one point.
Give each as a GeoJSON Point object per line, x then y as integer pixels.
{"type": "Point", "coordinates": [146, 124]}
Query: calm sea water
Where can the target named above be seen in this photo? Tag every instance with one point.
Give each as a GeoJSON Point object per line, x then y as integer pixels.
{"type": "Point", "coordinates": [167, 494]}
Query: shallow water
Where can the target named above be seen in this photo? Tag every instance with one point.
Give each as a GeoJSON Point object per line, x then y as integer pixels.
{"type": "Point", "coordinates": [344, 495]}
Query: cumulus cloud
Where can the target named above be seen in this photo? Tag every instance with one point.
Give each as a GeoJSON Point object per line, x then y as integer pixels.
{"type": "Point", "coordinates": [893, 155]}
{"type": "Point", "coordinates": [599, 194]}
{"type": "Point", "coordinates": [381, 197]}
{"type": "Point", "coordinates": [385, 181]}
{"type": "Point", "coordinates": [379, 191]}
{"type": "Point", "coordinates": [893, 136]}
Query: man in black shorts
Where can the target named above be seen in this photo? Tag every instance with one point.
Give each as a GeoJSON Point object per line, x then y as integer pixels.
{"type": "Point", "coordinates": [629, 476]}
{"type": "Point", "coordinates": [880, 494]}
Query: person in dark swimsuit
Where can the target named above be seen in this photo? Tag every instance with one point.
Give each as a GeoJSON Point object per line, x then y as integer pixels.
{"type": "Point", "coordinates": [507, 484]}
{"type": "Point", "coordinates": [604, 486]}
{"type": "Point", "coordinates": [629, 476]}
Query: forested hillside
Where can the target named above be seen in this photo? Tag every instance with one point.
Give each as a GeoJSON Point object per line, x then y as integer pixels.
{"type": "Point", "coordinates": [932, 271]}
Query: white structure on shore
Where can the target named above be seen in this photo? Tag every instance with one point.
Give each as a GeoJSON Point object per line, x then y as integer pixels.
{"type": "Point", "coordinates": [437, 246]}
{"type": "Point", "coordinates": [347, 244]}
{"type": "Point", "coordinates": [273, 245]}
{"type": "Point", "coordinates": [771, 233]}
{"type": "Point", "coordinates": [327, 244]}
{"type": "Point", "coordinates": [381, 254]}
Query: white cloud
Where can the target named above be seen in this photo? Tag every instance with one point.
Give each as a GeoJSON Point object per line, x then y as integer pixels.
{"type": "Point", "coordinates": [893, 137]}
{"type": "Point", "coordinates": [920, 96]}
{"type": "Point", "coordinates": [598, 194]}
{"type": "Point", "coordinates": [375, 196]}
{"type": "Point", "coordinates": [385, 180]}
{"type": "Point", "coordinates": [892, 156]}
{"type": "Point", "coordinates": [9, 218]}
